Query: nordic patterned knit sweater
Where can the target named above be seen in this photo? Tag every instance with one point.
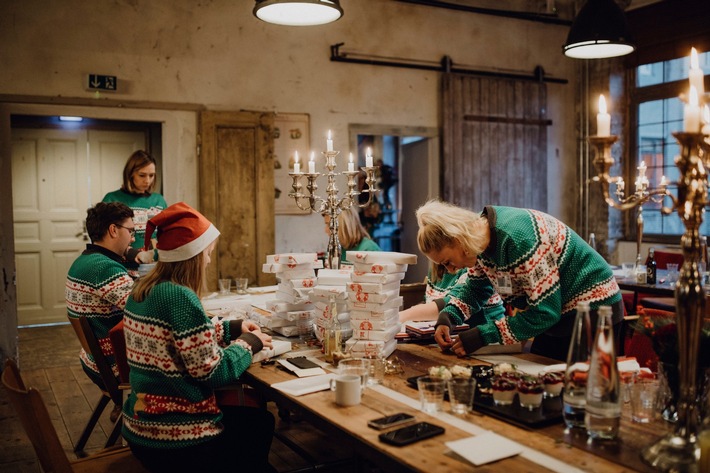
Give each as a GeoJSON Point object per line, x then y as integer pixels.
{"type": "Point", "coordinates": [177, 358]}
{"type": "Point", "coordinates": [437, 291]}
{"type": "Point", "coordinates": [144, 206]}
{"type": "Point", "coordinates": [541, 268]}
{"type": "Point", "coordinates": [97, 288]}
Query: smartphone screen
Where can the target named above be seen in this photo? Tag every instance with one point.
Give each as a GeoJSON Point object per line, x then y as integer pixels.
{"type": "Point", "coordinates": [390, 421]}
{"type": "Point", "coordinates": [411, 433]}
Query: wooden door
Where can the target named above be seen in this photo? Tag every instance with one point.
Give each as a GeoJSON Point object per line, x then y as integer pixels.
{"type": "Point", "coordinates": [57, 175]}
{"type": "Point", "coordinates": [495, 142]}
{"type": "Point", "coordinates": [237, 192]}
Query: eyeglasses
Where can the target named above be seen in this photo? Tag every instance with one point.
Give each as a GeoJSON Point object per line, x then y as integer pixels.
{"type": "Point", "coordinates": [132, 230]}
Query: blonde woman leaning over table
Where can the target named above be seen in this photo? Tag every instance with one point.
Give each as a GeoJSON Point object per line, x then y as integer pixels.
{"type": "Point", "coordinates": [439, 283]}
{"type": "Point", "coordinates": [137, 193]}
{"type": "Point", "coordinates": [178, 357]}
{"type": "Point", "coordinates": [351, 234]}
{"type": "Point", "coordinates": [538, 265]}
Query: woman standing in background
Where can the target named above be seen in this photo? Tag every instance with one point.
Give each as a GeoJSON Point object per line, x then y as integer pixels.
{"type": "Point", "coordinates": [137, 193]}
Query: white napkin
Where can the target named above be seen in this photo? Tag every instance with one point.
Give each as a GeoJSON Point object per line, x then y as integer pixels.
{"type": "Point", "coordinates": [301, 386]}
{"type": "Point", "coordinates": [485, 448]}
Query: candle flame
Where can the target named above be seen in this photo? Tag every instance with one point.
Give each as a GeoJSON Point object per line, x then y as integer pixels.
{"type": "Point", "coordinates": [602, 104]}
{"type": "Point", "coordinates": [693, 96]}
{"type": "Point", "coordinates": [694, 59]}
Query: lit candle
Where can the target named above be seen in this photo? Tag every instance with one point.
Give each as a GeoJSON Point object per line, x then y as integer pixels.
{"type": "Point", "coordinates": [312, 163]}
{"type": "Point", "coordinates": [695, 74]}
{"type": "Point", "coordinates": [351, 164]}
{"type": "Point", "coordinates": [706, 120]}
{"type": "Point", "coordinates": [620, 184]}
{"type": "Point", "coordinates": [368, 158]}
{"type": "Point", "coordinates": [329, 143]}
{"type": "Point", "coordinates": [691, 114]}
{"type": "Point", "coordinates": [603, 119]}
{"type": "Point", "coordinates": [296, 164]}
{"type": "Point", "coordinates": [664, 181]}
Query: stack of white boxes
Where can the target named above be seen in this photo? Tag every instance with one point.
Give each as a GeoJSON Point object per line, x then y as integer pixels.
{"type": "Point", "coordinates": [373, 296]}
{"type": "Point", "coordinates": [296, 275]}
{"type": "Point", "coordinates": [332, 282]}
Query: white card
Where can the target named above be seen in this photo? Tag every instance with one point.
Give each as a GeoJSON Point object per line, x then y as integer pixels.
{"type": "Point", "coordinates": [485, 448]}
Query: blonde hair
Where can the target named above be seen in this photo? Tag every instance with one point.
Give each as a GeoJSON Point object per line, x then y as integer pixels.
{"type": "Point", "coordinates": [189, 273]}
{"type": "Point", "coordinates": [350, 229]}
{"type": "Point", "coordinates": [442, 224]}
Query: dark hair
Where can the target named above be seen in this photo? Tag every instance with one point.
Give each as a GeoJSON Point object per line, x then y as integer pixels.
{"type": "Point", "coordinates": [103, 215]}
{"type": "Point", "coordinates": [138, 160]}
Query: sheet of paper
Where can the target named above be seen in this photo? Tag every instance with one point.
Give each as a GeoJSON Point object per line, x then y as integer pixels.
{"type": "Point", "coordinates": [301, 386]}
{"type": "Point", "coordinates": [485, 448]}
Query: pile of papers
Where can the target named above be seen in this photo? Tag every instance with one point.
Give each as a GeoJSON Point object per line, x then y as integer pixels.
{"type": "Point", "coordinates": [373, 296]}
{"type": "Point", "coordinates": [296, 277]}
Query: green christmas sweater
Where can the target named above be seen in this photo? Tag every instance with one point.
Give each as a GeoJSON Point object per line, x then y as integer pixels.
{"type": "Point", "coordinates": [97, 288]}
{"type": "Point", "coordinates": [177, 357]}
{"type": "Point", "coordinates": [492, 310]}
{"type": "Point", "coordinates": [541, 268]}
{"type": "Point", "coordinates": [366, 244]}
{"type": "Point", "coordinates": [144, 206]}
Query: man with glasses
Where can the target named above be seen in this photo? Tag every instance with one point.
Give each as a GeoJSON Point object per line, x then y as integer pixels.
{"type": "Point", "coordinates": [98, 283]}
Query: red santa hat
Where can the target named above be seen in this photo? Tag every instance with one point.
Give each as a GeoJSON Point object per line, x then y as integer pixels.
{"type": "Point", "coordinates": [183, 232]}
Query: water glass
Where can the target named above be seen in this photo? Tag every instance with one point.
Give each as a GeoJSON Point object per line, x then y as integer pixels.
{"type": "Point", "coordinates": [431, 393]}
{"type": "Point", "coordinates": [628, 270]}
{"type": "Point", "coordinates": [672, 273]}
{"type": "Point", "coordinates": [643, 399]}
{"type": "Point", "coordinates": [356, 366]}
{"type": "Point", "coordinates": [378, 365]}
{"type": "Point", "coordinates": [225, 286]}
{"type": "Point", "coordinates": [241, 285]}
{"type": "Point", "coordinates": [304, 325]}
{"type": "Point", "coordinates": [461, 392]}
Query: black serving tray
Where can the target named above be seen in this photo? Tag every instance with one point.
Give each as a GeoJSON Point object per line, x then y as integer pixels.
{"type": "Point", "coordinates": [549, 413]}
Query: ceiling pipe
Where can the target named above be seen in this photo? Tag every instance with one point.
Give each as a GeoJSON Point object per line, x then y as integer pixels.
{"type": "Point", "coordinates": [538, 17]}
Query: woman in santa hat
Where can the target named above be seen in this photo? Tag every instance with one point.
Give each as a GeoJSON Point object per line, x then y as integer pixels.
{"type": "Point", "coordinates": [178, 357]}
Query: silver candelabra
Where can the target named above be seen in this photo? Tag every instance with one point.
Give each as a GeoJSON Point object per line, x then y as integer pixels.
{"type": "Point", "coordinates": [331, 205]}
{"type": "Point", "coordinates": [678, 451]}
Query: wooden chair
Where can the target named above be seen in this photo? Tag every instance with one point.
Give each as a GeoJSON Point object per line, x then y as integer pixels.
{"type": "Point", "coordinates": [35, 419]}
{"type": "Point", "coordinates": [112, 390]}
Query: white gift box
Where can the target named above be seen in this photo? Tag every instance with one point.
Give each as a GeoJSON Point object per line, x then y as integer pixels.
{"type": "Point", "coordinates": [374, 314]}
{"type": "Point", "coordinates": [282, 268]}
{"type": "Point", "coordinates": [380, 257]}
{"type": "Point", "coordinates": [297, 314]}
{"type": "Point", "coordinates": [289, 297]}
{"type": "Point", "coordinates": [385, 335]}
{"type": "Point", "coordinates": [296, 274]}
{"type": "Point", "coordinates": [374, 324]}
{"type": "Point", "coordinates": [323, 308]}
{"type": "Point", "coordinates": [334, 277]}
{"type": "Point", "coordinates": [287, 331]}
{"type": "Point", "coordinates": [305, 283]}
{"type": "Point", "coordinates": [391, 304]}
{"type": "Point", "coordinates": [379, 268]}
{"type": "Point", "coordinates": [376, 278]}
{"type": "Point", "coordinates": [281, 306]}
{"type": "Point", "coordinates": [325, 299]}
{"type": "Point", "coordinates": [370, 348]}
{"type": "Point", "coordinates": [372, 297]}
{"type": "Point", "coordinates": [375, 288]}
{"type": "Point", "coordinates": [301, 292]}
{"type": "Point", "coordinates": [326, 291]}
{"type": "Point", "coordinates": [292, 258]}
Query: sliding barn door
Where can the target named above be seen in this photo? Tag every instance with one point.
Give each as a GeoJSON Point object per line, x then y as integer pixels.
{"type": "Point", "coordinates": [237, 192]}
{"type": "Point", "coordinates": [495, 142]}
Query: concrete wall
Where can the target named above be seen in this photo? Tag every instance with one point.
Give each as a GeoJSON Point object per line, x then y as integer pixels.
{"type": "Point", "coordinates": [217, 55]}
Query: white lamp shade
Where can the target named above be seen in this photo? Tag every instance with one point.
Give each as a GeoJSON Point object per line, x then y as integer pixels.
{"type": "Point", "coordinates": [298, 12]}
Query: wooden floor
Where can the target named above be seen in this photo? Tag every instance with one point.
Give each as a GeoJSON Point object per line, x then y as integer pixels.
{"type": "Point", "coordinates": [49, 362]}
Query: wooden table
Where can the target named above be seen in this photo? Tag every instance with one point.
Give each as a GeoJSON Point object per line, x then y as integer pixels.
{"type": "Point", "coordinates": [349, 424]}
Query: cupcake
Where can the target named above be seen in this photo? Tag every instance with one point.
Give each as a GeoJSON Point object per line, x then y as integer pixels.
{"type": "Point", "coordinates": [440, 372]}
{"type": "Point", "coordinates": [503, 389]}
{"type": "Point", "coordinates": [552, 382]}
{"type": "Point", "coordinates": [460, 371]}
{"type": "Point", "coordinates": [530, 391]}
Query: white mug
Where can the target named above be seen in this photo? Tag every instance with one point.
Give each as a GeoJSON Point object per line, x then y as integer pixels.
{"type": "Point", "coordinates": [347, 389]}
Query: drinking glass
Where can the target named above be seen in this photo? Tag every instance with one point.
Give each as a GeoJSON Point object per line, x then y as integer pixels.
{"type": "Point", "coordinates": [643, 399]}
{"type": "Point", "coordinates": [672, 273]}
{"type": "Point", "coordinates": [356, 366]}
{"type": "Point", "coordinates": [225, 286]}
{"type": "Point", "coordinates": [461, 392]}
{"type": "Point", "coordinates": [431, 393]}
{"type": "Point", "coordinates": [241, 285]}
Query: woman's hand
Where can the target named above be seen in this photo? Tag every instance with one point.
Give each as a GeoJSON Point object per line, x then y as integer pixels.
{"type": "Point", "coordinates": [144, 257]}
{"type": "Point", "coordinates": [250, 326]}
{"type": "Point", "coordinates": [265, 339]}
{"type": "Point", "coordinates": [457, 347]}
{"type": "Point", "coordinates": [443, 338]}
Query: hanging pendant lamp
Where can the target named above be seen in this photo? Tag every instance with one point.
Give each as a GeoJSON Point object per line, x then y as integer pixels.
{"type": "Point", "coordinates": [599, 31]}
{"type": "Point", "coordinates": [298, 12]}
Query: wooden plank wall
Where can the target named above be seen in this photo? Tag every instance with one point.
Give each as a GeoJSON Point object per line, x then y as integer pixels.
{"type": "Point", "coordinates": [495, 142]}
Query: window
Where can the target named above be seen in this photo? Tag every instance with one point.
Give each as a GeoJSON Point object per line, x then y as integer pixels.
{"type": "Point", "coordinates": [659, 113]}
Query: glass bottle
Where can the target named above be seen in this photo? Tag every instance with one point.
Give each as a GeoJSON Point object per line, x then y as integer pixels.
{"type": "Point", "coordinates": [575, 387]}
{"type": "Point", "coordinates": [651, 267]}
{"type": "Point", "coordinates": [331, 338]}
{"type": "Point", "coordinates": [592, 241]}
{"type": "Point", "coordinates": [603, 409]}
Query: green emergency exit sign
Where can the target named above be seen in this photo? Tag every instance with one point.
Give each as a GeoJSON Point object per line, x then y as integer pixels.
{"type": "Point", "coordinates": [101, 82]}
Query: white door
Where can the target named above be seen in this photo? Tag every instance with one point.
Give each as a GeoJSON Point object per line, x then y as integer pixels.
{"type": "Point", "coordinates": [56, 176]}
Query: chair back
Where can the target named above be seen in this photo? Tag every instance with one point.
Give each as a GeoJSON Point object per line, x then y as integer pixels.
{"type": "Point", "coordinates": [641, 346]}
{"type": "Point", "coordinates": [118, 340]}
{"type": "Point", "coordinates": [665, 257]}
{"type": "Point", "coordinates": [35, 420]}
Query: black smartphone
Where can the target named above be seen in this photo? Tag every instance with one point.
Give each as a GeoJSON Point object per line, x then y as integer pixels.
{"type": "Point", "coordinates": [390, 421]}
{"type": "Point", "coordinates": [411, 433]}
{"type": "Point", "coordinates": [302, 362]}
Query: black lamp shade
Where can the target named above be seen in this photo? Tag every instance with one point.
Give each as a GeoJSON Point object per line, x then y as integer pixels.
{"type": "Point", "coordinates": [599, 31]}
